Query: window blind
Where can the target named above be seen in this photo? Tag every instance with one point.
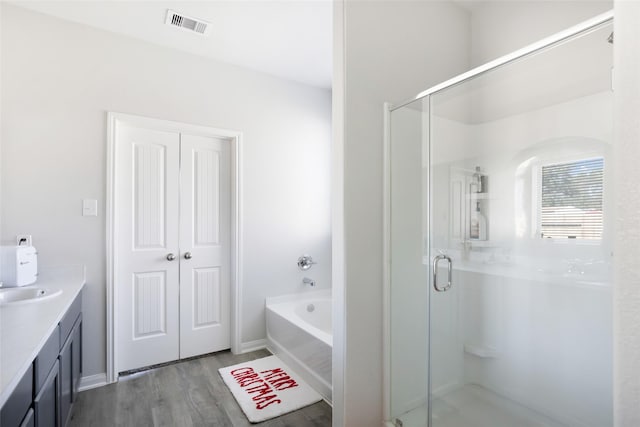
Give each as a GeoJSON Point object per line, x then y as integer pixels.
{"type": "Point", "coordinates": [571, 199]}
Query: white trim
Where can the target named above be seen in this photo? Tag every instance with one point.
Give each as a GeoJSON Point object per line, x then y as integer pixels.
{"type": "Point", "coordinates": [338, 290]}
{"type": "Point", "coordinates": [591, 24]}
{"type": "Point", "coordinates": [249, 346]}
{"type": "Point", "coordinates": [235, 137]}
{"type": "Point", "coordinates": [112, 345]}
{"type": "Point", "coordinates": [386, 265]}
{"type": "Point", "coordinates": [236, 242]}
{"type": "Point", "coordinates": [92, 381]}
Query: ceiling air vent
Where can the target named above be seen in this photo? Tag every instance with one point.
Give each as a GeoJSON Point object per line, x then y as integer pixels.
{"type": "Point", "coordinates": [187, 23]}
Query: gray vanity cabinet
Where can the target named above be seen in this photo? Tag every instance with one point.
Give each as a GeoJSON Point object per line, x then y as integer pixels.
{"type": "Point", "coordinates": [66, 360]}
{"type": "Point", "coordinates": [29, 419]}
{"type": "Point", "coordinates": [46, 359]}
{"type": "Point", "coordinates": [70, 370]}
{"type": "Point", "coordinates": [76, 365]}
{"type": "Point", "coordinates": [45, 394]}
{"type": "Point", "coordinates": [46, 405]}
{"type": "Point", "coordinates": [18, 404]}
{"type": "Point", "coordinates": [70, 358]}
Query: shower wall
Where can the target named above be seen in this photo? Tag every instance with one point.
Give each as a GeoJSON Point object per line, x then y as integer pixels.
{"type": "Point", "coordinates": [627, 232]}
{"type": "Point", "coordinates": [500, 27]}
{"type": "Point", "coordinates": [535, 315]}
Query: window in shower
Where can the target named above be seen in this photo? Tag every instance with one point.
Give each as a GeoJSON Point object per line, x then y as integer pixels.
{"type": "Point", "coordinates": [571, 200]}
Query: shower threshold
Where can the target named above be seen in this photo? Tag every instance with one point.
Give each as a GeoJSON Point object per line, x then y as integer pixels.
{"type": "Point", "coordinates": [472, 405]}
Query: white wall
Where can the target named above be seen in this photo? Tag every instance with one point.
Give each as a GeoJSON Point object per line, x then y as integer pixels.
{"type": "Point", "coordinates": [60, 79]}
{"type": "Point", "coordinates": [392, 50]}
{"type": "Point", "coordinates": [500, 27]}
{"type": "Point", "coordinates": [626, 306]}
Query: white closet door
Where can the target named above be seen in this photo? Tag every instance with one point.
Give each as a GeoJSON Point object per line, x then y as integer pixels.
{"type": "Point", "coordinates": [147, 282]}
{"type": "Point", "coordinates": [205, 206]}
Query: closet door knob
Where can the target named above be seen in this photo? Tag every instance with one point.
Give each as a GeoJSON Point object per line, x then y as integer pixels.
{"type": "Point", "coordinates": [187, 255]}
{"type": "Point", "coordinates": [171, 257]}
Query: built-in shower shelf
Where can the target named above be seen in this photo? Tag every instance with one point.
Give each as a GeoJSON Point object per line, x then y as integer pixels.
{"type": "Point", "coordinates": [484, 352]}
{"type": "Point", "coordinates": [483, 243]}
{"type": "Point", "coordinates": [480, 196]}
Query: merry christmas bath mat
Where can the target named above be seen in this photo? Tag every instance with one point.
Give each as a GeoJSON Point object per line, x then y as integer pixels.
{"type": "Point", "coordinates": [266, 388]}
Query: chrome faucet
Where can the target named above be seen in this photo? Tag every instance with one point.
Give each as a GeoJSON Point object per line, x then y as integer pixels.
{"type": "Point", "coordinates": [305, 262]}
{"type": "Point", "coordinates": [309, 282]}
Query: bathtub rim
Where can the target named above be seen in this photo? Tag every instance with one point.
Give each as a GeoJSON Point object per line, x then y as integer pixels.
{"type": "Point", "coordinates": [274, 305]}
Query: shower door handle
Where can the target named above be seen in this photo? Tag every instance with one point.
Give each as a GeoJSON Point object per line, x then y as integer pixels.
{"type": "Point", "coordinates": [436, 260]}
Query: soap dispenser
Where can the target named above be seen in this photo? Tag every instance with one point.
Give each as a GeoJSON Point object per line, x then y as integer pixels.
{"type": "Point", "coordinates": [478, 181]}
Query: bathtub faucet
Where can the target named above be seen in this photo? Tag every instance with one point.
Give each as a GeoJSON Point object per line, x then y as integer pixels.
{"type": "Point", "coordinates": [305, 262]}
{"type": "Point", "coordinates": [309, 282]}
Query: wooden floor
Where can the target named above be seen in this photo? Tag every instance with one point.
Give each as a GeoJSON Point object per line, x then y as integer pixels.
{"type": "Point", "coordinates": [184, 394]}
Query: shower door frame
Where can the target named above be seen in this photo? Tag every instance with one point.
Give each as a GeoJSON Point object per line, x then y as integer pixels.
{"type": "Point", "coordinates": [549, 42]}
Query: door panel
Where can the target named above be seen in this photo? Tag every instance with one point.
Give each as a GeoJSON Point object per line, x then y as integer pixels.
{"type": "Point", "coordinates": [206, 296]}
{"type": "Point", "coordinates": [149, 163]}
{"type": "Point", "coordinates": [204, 234]}
{"type": "Point", "coordinates": [149, 304]}
{"type": "Point", "coordinates": [204, 215]}
{"type": "Point", "coordinates": [147, 187]}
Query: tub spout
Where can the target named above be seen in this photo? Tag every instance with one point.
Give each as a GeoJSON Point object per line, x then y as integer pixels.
{"type": "Point", "coordinates": [308, 281]}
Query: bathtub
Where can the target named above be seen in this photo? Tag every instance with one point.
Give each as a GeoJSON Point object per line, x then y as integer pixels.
{"type": "Point", "coordinates": [299, 333]}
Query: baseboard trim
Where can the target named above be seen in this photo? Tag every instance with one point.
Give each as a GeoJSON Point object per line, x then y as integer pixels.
{"type": "Point", "coordinates": [249, 346]}
{"type": "Point", "coordinates": [99, 380]}
{"type": "Point", "coordinates": [92, 381]}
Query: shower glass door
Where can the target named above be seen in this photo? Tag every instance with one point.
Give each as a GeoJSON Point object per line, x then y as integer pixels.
{"type": "Point", "coordinates": [500, 297]}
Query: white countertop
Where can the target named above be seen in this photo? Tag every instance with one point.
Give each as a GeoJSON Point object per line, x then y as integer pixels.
{"type": "Point", "coordinates": [24, 328]}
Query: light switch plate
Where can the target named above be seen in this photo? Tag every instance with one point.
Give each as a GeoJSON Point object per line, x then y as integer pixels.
{"type": "Point", "coordinates": [89, 207]}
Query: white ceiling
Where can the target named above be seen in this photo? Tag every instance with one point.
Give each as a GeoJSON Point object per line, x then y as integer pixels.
{"type": "Point", "coordinates": [291, 39]}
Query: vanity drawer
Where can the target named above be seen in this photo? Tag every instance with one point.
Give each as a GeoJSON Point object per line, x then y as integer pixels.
{"type": "Point", "coordinates": [29, 419]}
{"type": "Point", "coordinates": [45, 359]}
{"type": "Point", "coordinates": [14, 410]}
{"type": "Point", "coordinates": [46, 404]}
{"type": "Point", "coordinates": [69, 319]}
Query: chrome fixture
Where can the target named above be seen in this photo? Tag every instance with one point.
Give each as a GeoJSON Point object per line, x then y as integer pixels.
{"type": "Point", "coordinates": [305, 262]}
{"type": "Point", "coordinates": [309, 282]}
{"type": "Point", "coordinates": [435, 273]}
{"type": "Point", "coordinates": [171, 257]}
{"type": "Point", "coordinates": [187, 255]}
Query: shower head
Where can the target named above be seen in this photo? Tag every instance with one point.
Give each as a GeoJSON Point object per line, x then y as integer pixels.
{"type": "Point", "coordinates": [610, 38]}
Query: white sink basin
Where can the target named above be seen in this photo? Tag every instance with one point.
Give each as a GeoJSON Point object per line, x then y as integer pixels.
{"type": "Point", "coordinates": [26, 295]}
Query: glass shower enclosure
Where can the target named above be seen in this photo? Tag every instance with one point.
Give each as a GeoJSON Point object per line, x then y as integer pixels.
{"type": "Point", "coordinates": [499, 242]}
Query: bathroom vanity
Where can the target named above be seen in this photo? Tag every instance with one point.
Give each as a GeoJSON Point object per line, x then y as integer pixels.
{"type": "Point", "coordinates": [41, 353]}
